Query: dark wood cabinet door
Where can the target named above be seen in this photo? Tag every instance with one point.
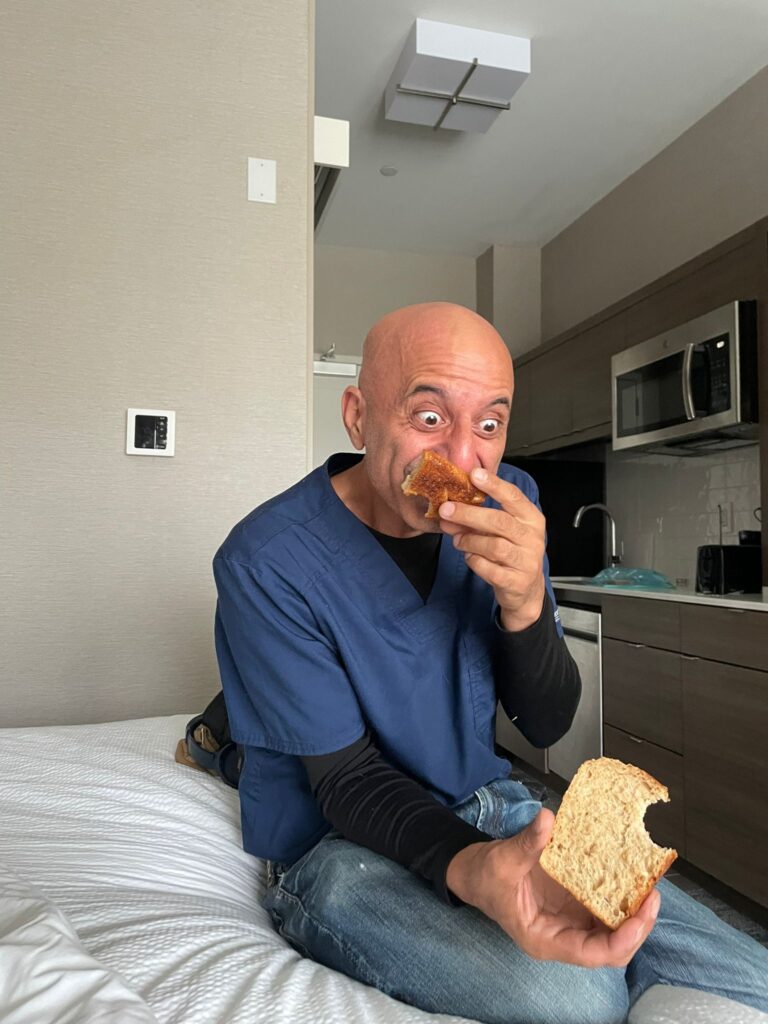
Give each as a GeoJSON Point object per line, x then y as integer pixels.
{"type": "Point", "coordinates": [642, 620]}
{"type": "Point", "coordinates": [726, 773]}
{"type": "Point", "coordinates": [590, 376]}
{"type": "Point", "coordinates": [664, 822]}
{"type": "Point", "coordinates": [725, 634]}
{"type": "Point", "coordinates": [519, 429]}
{"type": "Point", "coordinates": [642, 692]}
{"type": "Point", "coordinates": [551, 394]}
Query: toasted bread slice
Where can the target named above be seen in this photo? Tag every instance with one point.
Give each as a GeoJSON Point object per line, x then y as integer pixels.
{"type": "Point", "coordinates": [438, 480]}
{"type": "Point", "coordinates": [599, 849]}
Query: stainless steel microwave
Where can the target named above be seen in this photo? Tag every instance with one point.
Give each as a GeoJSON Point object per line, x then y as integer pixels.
{"type": "Point", "coordinates": [690, 390]}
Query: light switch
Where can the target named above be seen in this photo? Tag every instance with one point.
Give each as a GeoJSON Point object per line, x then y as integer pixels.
{"type": "Point", "coordinates": [262, 180]}
{"type": "Point", "coordinates": [150, 432]}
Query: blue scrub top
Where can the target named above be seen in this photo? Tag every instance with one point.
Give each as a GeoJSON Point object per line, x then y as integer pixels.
{"type": "Point", "coordinates": [320, 636]}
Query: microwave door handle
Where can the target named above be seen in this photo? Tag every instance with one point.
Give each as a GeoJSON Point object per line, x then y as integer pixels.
{"type": "Point", "coordinates": [690, 412]}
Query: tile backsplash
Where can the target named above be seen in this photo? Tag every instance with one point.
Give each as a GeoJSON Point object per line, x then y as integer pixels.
{"type": "Point", "coordinates": [665, 507]}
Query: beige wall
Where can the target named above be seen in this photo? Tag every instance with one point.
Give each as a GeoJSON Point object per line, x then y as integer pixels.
{"type": "Point", "coordinates": [509, 294]}
{"type": "Point", "coordinates": [137, 274]}
{"type": "Point", "coordinates": [354, 287]}
{"type": "Point", "coordinates": [708, 184]}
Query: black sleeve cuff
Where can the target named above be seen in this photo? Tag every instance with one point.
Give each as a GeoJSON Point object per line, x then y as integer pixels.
{"type": "Point", "coordinates": [433, 863]}
{"type": "Point", "coordinates": [532, 636]}
{"type": "Point", "coordinates": [537, 680]}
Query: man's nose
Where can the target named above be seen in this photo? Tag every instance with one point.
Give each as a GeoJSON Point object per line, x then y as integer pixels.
{"type": "Point", "coordinates": [460, 448]}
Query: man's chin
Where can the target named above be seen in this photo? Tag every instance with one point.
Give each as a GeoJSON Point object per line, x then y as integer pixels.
{"type": "Point", "coordinates": [415, 516]}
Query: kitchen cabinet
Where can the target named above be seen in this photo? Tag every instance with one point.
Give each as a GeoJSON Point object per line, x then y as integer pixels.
{"type": "Point", "coordinates": [551, 407]}
{"type": "Point", "coordinates": [665, 822]}
{"type": "Point", "coordinates": [654, 623]}
{"type": "Point", "coordinates": [685, 697]}
{"type": "Point", "coordinates": [726, 773]}
{"type": "Point", "coordinates": [643, 692]}
{"type": "Point", "coordinates": [725, 634]}
{"type": "Point", "coordinates": [590, 378]}
{"type": "Point", "coordinates": [519, 429]}
{"type": "Point", "coordinates": [566, 390]}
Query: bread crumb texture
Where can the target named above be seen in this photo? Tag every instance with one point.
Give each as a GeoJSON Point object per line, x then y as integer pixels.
{"type": "Point", "coordinates": [600, 850]}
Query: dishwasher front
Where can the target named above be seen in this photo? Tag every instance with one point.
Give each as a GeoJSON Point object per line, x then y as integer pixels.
{"type": "Point", "coordinates": [585, 737]}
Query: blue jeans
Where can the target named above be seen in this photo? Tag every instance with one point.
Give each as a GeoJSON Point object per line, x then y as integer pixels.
{"type": "Point", "coordinates": [360, 913]}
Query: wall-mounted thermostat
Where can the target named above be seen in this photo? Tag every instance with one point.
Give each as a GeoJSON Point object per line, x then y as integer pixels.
{"type": "Point", "coordinates": [150, 432]}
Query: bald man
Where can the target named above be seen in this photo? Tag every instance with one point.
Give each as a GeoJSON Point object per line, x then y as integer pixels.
{"type": "Point", "coordinates": [363, 650]}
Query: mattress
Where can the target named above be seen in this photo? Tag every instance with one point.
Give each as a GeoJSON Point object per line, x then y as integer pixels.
{"type": "Point", "coordinates": [143, 858]}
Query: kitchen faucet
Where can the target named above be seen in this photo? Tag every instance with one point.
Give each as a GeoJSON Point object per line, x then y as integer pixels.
{"type": "Point", "coordinates": [615, 560]}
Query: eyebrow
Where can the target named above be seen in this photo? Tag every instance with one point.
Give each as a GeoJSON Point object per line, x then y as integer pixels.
{"type": "Point", "coordinates": [431, 389]}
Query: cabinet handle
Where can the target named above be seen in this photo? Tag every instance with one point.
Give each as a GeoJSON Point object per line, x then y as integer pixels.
{"type": "Point", "coordinates": [637, 645]}
{"type": "Point", "coordinates": [736, 611]}
{"type": "Point", "coordinates": [635, 739]}
{"type": "Point", "coordinates": [690, 657]}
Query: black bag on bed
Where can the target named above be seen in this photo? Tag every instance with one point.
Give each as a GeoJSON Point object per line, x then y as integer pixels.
{"type": "Point", "coordinates": [208, 744]}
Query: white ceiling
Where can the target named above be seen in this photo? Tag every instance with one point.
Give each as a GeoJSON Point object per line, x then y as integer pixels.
{"type": "Point", "coordinates": [612, 83]}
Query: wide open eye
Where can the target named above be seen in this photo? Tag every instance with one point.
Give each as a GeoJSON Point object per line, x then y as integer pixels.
{"type": "Point", "coordinates": [490, 426]}
{"type": "Point", "coordinates": [430, 418]}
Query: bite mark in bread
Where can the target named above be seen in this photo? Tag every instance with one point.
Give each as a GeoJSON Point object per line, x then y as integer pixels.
{"type": "Point", "coordinates": [599, 849]}
{"type": "Point", "coordinates": [438, 480]}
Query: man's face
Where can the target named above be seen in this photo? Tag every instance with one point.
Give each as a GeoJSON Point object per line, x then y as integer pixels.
{"type": "Point", "coordinates": [445, 387]}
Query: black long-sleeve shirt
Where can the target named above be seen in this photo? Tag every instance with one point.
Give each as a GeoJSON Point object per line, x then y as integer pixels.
{"type": "Point", "coordinates": [374, 804]}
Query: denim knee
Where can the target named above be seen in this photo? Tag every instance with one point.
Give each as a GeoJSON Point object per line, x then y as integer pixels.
{"type": "Point", "coordinates": [587, 996]}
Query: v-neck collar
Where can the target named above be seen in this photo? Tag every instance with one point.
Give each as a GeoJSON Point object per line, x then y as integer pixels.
{"type": "Point", "coordinates": [391, 592]}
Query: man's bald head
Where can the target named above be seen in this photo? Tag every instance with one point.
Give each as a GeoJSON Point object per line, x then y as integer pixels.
{"type": "Point", "coordinates": [424, 329]}
{"type": "Point", "coordinates": [434, 376]}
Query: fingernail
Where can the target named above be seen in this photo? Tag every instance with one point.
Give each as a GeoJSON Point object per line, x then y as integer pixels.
{"type": "Point", "coordinates": [480, 475]}
{"type": "Point", "coordinates": [447, 509]}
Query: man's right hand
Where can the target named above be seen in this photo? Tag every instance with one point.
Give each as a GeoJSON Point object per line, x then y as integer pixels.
{"type": "Point", "coordinates": [503, 878]}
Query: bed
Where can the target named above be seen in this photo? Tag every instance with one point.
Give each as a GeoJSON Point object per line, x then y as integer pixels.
{"type": "Point", "coordinates": [125, 896]}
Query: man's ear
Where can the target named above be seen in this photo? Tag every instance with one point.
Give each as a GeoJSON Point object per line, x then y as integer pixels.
{"type": "Point", "coordinates": [353, 414]}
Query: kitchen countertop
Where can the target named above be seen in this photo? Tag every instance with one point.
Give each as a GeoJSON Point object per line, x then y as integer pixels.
{"type": "Point", "coordinates": [570, 589]}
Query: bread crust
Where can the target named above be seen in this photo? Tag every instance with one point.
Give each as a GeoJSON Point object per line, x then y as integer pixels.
{"type": "Point", "coordinates": [614, 907]}
{"type": "Point", "coordinates": [438, 480]}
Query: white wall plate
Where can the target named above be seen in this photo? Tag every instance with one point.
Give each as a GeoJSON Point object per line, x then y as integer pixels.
{"type": "Point", "coordinates": [150, 432]}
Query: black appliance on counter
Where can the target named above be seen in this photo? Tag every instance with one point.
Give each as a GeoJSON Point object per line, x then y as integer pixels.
{"type": "Point", "coordinates": [729, 569]}
{"type": "Point", "coordinates": [564, 485]}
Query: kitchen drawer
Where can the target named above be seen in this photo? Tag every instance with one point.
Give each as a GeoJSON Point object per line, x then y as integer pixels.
{"type": "Point", "coordinates": [725, 634]}
{"type": "Point", "coordinates": [726, 773]}
{"type": "Point", "coordinates": [665, 822]}
{"type": "Point", "coordinates": [644, 621]}
{"type": "Point", "coordinates": [642, 692]}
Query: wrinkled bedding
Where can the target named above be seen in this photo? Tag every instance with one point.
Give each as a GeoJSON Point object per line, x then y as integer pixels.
{"type": "Point", "coordinates": [143, 859]}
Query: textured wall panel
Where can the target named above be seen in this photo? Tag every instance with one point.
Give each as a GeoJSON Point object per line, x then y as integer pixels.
{"type": "Point", "coordinates": [139, 275]}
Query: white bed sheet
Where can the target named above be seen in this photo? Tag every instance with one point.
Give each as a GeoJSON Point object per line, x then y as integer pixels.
{"type": "Point", "coordinates": [144, 858]}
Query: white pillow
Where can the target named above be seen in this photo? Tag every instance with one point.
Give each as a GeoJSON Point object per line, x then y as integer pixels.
{"type": "Point", "coordinates": [46, 977]}
{"type": "Point", "coordinates": [663, 1004]}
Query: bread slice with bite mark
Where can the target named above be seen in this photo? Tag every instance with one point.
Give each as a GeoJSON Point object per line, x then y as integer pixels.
{"type": "Point", "coordinates": [599, 849]}
{"type": "Point", "coordinates": [438, 480]}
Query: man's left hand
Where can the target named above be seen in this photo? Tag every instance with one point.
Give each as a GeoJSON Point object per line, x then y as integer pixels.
{"type": "Point", "coordinates": [504, 546]}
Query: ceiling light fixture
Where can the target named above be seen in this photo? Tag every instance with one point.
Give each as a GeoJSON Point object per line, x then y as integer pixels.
{"type": "Point", "coordinates": [453, 77]}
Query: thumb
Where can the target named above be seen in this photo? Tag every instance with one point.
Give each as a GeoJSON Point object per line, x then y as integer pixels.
{"type": "Point", "coordinates": [532, 840]}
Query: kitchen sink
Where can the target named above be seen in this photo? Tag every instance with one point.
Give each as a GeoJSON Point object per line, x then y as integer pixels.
{"type": "Point", "coordinates": [620, 578]}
